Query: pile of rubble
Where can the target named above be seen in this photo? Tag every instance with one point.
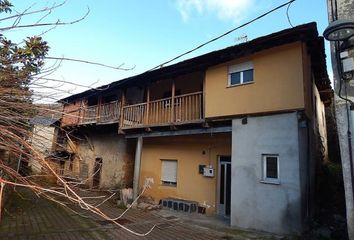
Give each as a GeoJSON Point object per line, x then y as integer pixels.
{"type": "Point", "coordinates": [144, 202]}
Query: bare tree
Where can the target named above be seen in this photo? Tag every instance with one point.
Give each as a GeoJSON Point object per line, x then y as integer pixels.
{"type": "Point", "coordinates": [22, 77]}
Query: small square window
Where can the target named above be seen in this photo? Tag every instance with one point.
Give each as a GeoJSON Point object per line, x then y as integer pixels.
{"type": "Point", "coordinates": [271, 168]}
{"type": "Point", "coordinates": [241, 74]}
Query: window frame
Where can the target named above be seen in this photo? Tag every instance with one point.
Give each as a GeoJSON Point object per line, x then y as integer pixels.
{"type": "Point", "coordinates": [240, 68]}
{"type": "Point", "coordinates": [266, 179]}
{"type": "Point", "coordinates": [168, 183]}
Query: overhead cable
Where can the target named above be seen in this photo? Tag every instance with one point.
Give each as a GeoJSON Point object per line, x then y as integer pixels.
{"type": "Point", "coordinates": [224, 34]}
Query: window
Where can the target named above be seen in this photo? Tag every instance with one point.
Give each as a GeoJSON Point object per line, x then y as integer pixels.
{"type": "Point", "coordinates": [271, 168]}
{"type": "Point", "coordinates": [169, 172]}
{"type": "Point", "coordinates": [241, 74]}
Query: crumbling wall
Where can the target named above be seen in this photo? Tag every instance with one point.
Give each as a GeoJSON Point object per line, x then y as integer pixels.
{"type": "Point", "coordinates": [71, 113]}
{"type": "Point", "coordinates": [116, 152]}
{"type": "Point", "coordinates": [42, 141]}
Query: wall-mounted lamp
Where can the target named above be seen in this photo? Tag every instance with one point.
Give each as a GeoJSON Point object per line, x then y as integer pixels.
{"type": "Point", "coordinates": [339, 30]}
{"type": "Point", "coordinates": [342, 31]}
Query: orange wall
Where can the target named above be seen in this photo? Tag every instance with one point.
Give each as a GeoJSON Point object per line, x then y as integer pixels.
{"type": "Point", "coordinates": [277, 86]}
{"type": "Point", "coordinates": [188, 151]}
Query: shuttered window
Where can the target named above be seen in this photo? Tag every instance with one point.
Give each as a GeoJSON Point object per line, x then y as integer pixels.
{"type": "Point", "coordinates": [241, 74]}
{"type": "Point", "coordinates": [169, 172]}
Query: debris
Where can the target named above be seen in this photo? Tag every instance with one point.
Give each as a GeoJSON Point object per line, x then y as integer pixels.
{"type": "Point", "coordinates": [126, 196]}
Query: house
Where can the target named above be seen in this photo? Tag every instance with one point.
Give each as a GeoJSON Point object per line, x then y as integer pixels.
{"type": "Point", "coordinates": [43, 129]}
{"type": "Point", "coordinates": [44, 126]}
{"type": "Point", "coordinates": [238, 131]}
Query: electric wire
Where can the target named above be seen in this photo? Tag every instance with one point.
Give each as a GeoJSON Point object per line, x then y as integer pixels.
{"type": "Point", "coordinates": [287, 15]}
{"type": "Point", "coordinates": [206, 43]}
{"type": "Point", "coordinates": [222, 35]}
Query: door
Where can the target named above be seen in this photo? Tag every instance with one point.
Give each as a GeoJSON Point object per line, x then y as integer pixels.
{"type": "Point", "coordinates": [224, 186]}
{"type": "Point", "coordinates": [97, 173]}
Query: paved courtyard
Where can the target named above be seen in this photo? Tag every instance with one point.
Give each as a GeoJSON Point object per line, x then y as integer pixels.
{"type": "Point", "coordinates": [29, 217]}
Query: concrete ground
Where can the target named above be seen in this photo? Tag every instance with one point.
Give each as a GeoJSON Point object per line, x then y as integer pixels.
{"type": "Point", "coordinates": [29, 217]}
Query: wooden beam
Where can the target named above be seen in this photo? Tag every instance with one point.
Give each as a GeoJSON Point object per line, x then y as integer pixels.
{"type": "Point", "coordinates": [147, 105]}
{"type": "Point", "coordinates": [172, 112]}
{"type": "Point", "coordinates": [80, 111]}
{"type": "Point", "coordinates": [98, 108]}
{"type": "Point", "coordinates": [225, 129]}
{"type": "Point", "coordinates": [121, 120]}
{"type": "Point", "coordinates": [202, 114]}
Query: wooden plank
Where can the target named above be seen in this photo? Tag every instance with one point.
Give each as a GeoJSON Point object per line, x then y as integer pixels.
{"type": "Point", "coordinates": [121, 121]}
{"type": "Point", "coordinates": [173, 101]}
{"type": "Point", "coordinates": [98, 108]}
{"type": "Point", "coordinates": [226, 129]}
{"type": "Point", "coordinates": [148, 105]}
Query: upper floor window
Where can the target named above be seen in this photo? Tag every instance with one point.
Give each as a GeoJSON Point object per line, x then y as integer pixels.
{"type": "Point", "coordinates": [241, 74]}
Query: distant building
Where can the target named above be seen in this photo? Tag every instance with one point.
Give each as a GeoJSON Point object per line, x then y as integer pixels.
{"type": "Point", "coordinates": [44, 126]}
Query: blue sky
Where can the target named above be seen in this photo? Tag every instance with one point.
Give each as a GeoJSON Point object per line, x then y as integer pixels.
{"type": "Point", "coordinates": [145, 33]}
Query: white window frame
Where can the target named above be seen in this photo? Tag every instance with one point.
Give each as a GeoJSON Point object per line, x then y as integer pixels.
{"type": "Point", "coordinates": [265, 179]}
{"type": "Point", "coordinates": [172, 182]}
{"type": "Point", "coordinates": [240, 68]}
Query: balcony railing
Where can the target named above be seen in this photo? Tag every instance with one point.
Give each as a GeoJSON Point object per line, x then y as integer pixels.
{"type": "Point", "coordinates": [109, 112]}
{"type": "Point", "coordinates": [181, 109]}
{"type": "Point", "coordinates": [89, 115]}
{"type": "Point", "coordinates": [100, 114]}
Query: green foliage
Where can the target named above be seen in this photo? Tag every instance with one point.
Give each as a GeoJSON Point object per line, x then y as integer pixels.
{"type": "Point", "coordinates": [19, 63]}
{"type": "Point", "coordinates": [17, 66]}
{"type": "Point", "coordinates": [5, 6]}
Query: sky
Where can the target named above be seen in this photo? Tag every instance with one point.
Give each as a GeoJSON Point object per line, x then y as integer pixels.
{"type": "Point", "coordinates": [142, 34]}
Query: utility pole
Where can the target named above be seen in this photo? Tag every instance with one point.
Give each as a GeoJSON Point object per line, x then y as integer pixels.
{"type": "Point", "coordinates": [340, 15]}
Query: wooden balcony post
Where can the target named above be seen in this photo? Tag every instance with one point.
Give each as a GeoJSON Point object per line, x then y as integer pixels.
{"type": "Point", "coordinates": [98, 108]}
{"type": "Point", "coordinates": [121, 110]}
{"type": "Point", "coordinates": [81, 109]}
{"type": "Point", "coordinates": [202, 109]}
{"type": "Point", "coordinates": [173, 101]}
{"type": "Point", "coordinates": [147, 105]}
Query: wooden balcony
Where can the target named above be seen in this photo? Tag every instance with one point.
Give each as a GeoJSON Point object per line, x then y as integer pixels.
{"type": "Point", "coordinates": [100, 114]}
{"type": "Point", "coordinates": [89, 115]}
{"type": "Point", "coordinates": [182, 109]}
{"type": "Point", "coordinates": [109, 112]}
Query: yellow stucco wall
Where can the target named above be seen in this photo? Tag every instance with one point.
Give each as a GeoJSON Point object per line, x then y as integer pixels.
{"type": "Point", "coordinates": [278, 84]}
{"type": "Point", "coordinates": [190, 152]}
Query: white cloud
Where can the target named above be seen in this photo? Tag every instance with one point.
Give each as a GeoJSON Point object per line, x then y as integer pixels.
{"type": "Point", "coordinates": [234, 10]}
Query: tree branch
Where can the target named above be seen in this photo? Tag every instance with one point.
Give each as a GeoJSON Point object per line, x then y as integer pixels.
{"type": "Point", "coordinates": [92, 63]}
{"type": "Point", "coordinates": [58, 23]}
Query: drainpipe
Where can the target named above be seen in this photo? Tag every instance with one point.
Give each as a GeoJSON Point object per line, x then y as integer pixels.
{"type": "Point", "coordinates": [138, 151]}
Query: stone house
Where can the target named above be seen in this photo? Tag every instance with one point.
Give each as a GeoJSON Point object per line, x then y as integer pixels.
{"type": "Point", "coordinates": [237, 131]}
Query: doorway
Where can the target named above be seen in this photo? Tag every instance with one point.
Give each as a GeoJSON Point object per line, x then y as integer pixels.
{"type": "Point", "coordinates": [97, 173]}
{"type": "Point", "coordinates": [224, 186]}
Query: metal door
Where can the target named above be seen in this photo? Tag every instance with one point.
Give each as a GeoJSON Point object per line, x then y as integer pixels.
{"type": "Point", "coordinates": [224, 186]}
